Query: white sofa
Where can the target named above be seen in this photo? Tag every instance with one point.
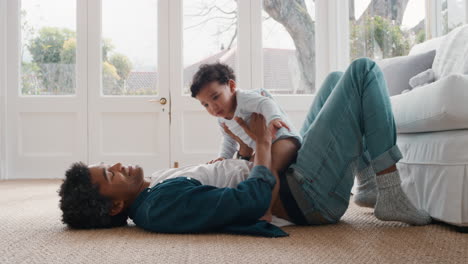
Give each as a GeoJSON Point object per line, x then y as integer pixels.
{"type": "Point", "coordinates": [432, 126]}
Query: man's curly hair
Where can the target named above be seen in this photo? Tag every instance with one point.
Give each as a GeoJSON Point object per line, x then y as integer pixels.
{"type": "Point", "coordinates": [208, 73]}
{"type": "Point", "coordinates": [83, 207]}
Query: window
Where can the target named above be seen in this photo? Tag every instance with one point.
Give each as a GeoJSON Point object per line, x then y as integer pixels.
{"type": "Point", "coordinates": [209, 36]}
{"type": "Point", "coordinates": [129, 47]}
{"type": "Point", "coordinates": [289, 47]}
{"type": "Point", "coordinates": [48, 47]}
{"type": "Point", "coordinates": [453, 14]}
{"type": "Point", "coordinates": [379, 30]}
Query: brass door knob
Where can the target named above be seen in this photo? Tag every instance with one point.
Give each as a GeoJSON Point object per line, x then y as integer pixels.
{"type": "Point", "coordinates": [162, 101]}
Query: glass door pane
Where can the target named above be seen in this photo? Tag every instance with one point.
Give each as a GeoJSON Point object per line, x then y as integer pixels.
{"type": "Point", "coordinates": [129, 47]}
{"type": "Point", "coordinates": [210, 35]}
{"type": "Point", "coordinates": [453, 14]}
{"type": "Point", "coordinates": [289, 47]}
{"type": "Point", "coordinates": [48, 47]}
{"type": "Point", "coordinates": [379, 30]}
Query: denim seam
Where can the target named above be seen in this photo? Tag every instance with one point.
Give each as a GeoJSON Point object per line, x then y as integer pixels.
{"type": "Point", "coordinates": [338, 183]}
{"type": "Point", "coordinates": [392, 153]}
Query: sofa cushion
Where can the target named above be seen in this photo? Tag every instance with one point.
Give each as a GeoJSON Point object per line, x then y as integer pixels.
{"type": "Point", "coordinates": [452, 54]}
{"type": "Point", "coordinates": [438, 106]}
{"type": "Point", "coordinates": [428, 45]}
{"type": "Point", "coordinates": [422, 78]}
{"type": "Point", "coordinates": [399, 70]}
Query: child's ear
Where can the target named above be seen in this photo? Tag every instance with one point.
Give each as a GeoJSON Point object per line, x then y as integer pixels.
{"type": "Point", "coordinates": [232, 85]}
{"type": "Point", "coordinates": [117, 207]}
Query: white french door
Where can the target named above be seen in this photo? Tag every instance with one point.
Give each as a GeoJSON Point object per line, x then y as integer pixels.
{"type": "Point", "coordinates": [124, 126]}
{"type": "Point", "coordinates": [78, 107]}
{"type": "Point", "coordinates": [46, 123]}
{"type": "Point", "coordinates": [195, 136]}
{"type": "Point", "coordinates": [122, 60]}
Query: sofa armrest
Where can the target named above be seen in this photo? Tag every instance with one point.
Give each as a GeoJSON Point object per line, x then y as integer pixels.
{"type": "Point", "coordinates": [438, 106]}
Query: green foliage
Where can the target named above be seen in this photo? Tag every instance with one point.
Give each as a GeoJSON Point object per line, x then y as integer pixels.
{"type": "Point", "coordinates": [53, 52]}
{"type": "Point", "coordinates": [68, 52]}
{"type": "Point", "coordinates": [123, 67]}
{"type": "Point", "coordinates": [48, 45]}
{"type": "Point", "coordinates": [110, 79]}
{"type": "Point", "coordinates": [122, 64]}
{"type": "Point", "coordinates": [28, 72]}
{"type": "Point", "coordinates": [377, 36]}
{"type": "Point", "coordinates": [420, 36]}
{"type": "Point", "coordinates": [107, 47]}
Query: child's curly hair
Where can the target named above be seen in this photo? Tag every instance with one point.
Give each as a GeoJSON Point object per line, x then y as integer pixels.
{"type": "Point", "coordinates": [207, 73]}
{"type": "Point", "coordinates": [83, 207]}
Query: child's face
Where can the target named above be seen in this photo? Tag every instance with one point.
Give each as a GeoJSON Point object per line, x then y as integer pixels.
{"type": "Point", "coordinates": [219, 99]}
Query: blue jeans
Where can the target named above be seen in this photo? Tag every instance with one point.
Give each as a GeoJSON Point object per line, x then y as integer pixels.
{"type": "Point", "coordinates": [349, 126]}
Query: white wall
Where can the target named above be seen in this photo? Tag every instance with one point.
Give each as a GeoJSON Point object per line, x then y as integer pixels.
{"type": "Point", "coordinates": [2, 88]}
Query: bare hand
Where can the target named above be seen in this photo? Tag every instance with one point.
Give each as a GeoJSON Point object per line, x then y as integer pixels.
{"type": "Point", "coordinates": [256, 129]}
{"type": "Point", "coordinates": [275, 125]}
{"type": "Point", "coordinates": [244, 149]}
{"type": "Point", "coordinates": [267, 217]}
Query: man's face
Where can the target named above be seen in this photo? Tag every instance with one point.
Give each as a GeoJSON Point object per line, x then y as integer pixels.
{"type": "Point", "coordinates": [117, 182]}
{"type": "Point", "coordinates": [219, 99]}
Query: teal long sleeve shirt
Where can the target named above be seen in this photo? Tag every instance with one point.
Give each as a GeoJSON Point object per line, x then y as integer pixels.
{"type": "Point", "coordinates": [184, 205]}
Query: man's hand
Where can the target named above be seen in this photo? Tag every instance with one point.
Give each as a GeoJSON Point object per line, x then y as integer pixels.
{"type": "Point", "coordinates": [244, 149]}
{"type": "Point", "coordinates": [215, 160]}
{"type": "Point", "coordinates": [275, 125]}
{"type": "Point", "coordinates": [256, 129]}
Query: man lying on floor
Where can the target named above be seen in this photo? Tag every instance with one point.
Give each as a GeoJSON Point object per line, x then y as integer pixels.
{"type": "Point", "coordinates": [349, 130]}
{"type": "Point", "coordinates": [226, 196]}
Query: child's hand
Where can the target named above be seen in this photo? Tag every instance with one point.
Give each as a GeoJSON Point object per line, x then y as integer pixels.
{"type": "Point", "coordinates": [215, 160]}
{"type": "Point", "coordinates": [275, 125]}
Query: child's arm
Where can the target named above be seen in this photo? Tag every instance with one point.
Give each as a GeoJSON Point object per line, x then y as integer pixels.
{"type": "Point", "coordinates": [228, 147]}
{"type": "Point", "coordinates": [244, 151]}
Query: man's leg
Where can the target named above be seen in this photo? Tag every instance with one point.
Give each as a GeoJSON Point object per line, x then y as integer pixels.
{"type": "Point", "coordinates": [366, 194]}
{"type": "Point", "coordinates": [320, 98]}
{"type": "Point", "coordinates": [283, 153]}
{"type": "Point", "coordinates": [366, 189]}
{"type": "Point", "coordinates": [357, 108]}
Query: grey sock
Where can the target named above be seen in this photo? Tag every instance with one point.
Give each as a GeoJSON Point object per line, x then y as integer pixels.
{"type": "Point", "coordinates": [393, 204]}
{"type": "Point", "coordinates": [366, 190]}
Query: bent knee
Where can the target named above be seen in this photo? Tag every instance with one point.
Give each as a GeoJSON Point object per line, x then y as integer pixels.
{"type": "Point", "coordinates": [284, 152]}
{"type": "Point", "coordinates": [334, 76]}
{"type": "Point", "coordinates": [363, 63]}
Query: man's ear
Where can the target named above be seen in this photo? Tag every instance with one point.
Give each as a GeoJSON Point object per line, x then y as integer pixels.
{"type": "Point", "coordinates": [117, 207]}
{"type": "Point", "coordinates": [232, 85]}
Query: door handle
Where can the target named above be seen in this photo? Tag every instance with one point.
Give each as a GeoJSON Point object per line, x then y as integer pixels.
{"type": "Point", "coordinates": [162, 101]}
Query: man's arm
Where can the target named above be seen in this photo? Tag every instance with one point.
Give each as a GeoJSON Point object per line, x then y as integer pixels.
{"type": "Point", "coordinates": [182, 205]}
{"type": "Point", "coordinates": [258, 131]}
{"type": "Point", "coordinates": [262, 139]}
{"type": "Point", "coordinates": [187, 206]}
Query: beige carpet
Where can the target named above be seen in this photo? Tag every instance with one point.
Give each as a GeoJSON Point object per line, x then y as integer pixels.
{"type": "Point", "coordinates": [31, 232]}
